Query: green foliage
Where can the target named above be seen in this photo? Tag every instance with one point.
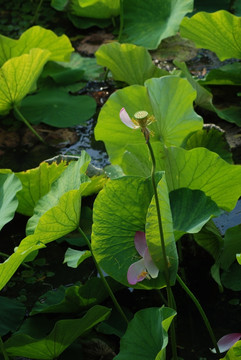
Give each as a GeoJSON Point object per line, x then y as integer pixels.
{"type": "Point", "coordinates": [12, 313]}
{"type": "Point", "coordinates": [60, 48]}
{"type": "Point", "coordinates": [169, 99]}
{"type": "Point", "coordinates": [9, 185]}
{"type": "Point", "coordinates": [99, 9]}
{"type": "Point", "coordinates": [74, 258]}
{"type": "Point", "coordinates": [64, 333]}
{"type": "Point", "coordinates": [233, 353]}
{"type": "Point", "coordinates": [18, 76]}
{"type": "Point", "coordinates": [58, 108]}
{"type": "Point", "coordinates": [219, 32]}
{"type": "Point", "coordinates": [146, 335]}
{"type": "Point", "coordinates": [127, 62]}
{"type": "Point", "coordinates": [150, 22]}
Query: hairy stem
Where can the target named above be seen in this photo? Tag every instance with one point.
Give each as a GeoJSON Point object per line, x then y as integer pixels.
{"type": "Point", "coordinates": [27, 123]}
{"type": "Point", "coordinates": [3, 350]}
{"type": "Point", "coordinates": [201, 311]}
{"type": "Point", "coordinates": [170, 298]}
{"type": "Point", "coordinates": [110, 292]}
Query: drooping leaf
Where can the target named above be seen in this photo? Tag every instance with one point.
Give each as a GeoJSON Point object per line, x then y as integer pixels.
{"type": "Point", "coordinates": [150, 22]}
{"type": "Point", "coordinates": [146, 335]}
{"type": "Point", "coordinates": [58, 108]}
{"type": "Point", "coordinates": [171, 102]}
{"type": "Point", "coordinates": [229, 74]}
{"type": "Point", "coordinates": [36, 183]}
{"type": "Point", "coordinates": [65, 186]}
{"type": "Point", "coordinates": [64, 333]}
{"type": "Point", "coordinates": [129, 63]}
{"type": "Point", "coordinates": [59, 47]}
{"type": "Point", "coordinates": [212, 139]}
{"type": "Point", "coordinates": [17, 77]}
{"type": "Point", "coordinates": [9, 186]}
{"type": "Point", "coordinates": [12, 313]}
{"type": "Point", "coordinates": [153, 233]}
{"type": "Point", "coordinates": [191, 209]}
{"type": "Point", "coordinates": [73, 299]}
{"type": "Point", "coordinates": [219, 32]}
{"type": "Point", "coordinates": [119, 211]}
{"type": "Point", "coordinates": [74, 258]}
{"type": "Point", "coordinates": [99, 9]}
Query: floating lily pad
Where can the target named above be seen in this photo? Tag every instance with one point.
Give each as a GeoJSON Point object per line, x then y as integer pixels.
{"type": "Point", "coordinates": [219, 32]}
{"type": "Point", "coordinates": [151, 21]}
{"type": "Point", "coordinates": [58, 108]}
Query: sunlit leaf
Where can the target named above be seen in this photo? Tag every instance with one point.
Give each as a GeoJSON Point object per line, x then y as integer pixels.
{"type": "Point", "coordinates": [129, 63]}
{"type": "Point", "coordinates": [146, 334]}
{"type": "Point", "coordinates": [17, 77]}
{"type": "Point", "coordinates": [151, 21]}
{"type": "Point", "coordinates": [36, 183]}
{"type": "Point", "coordinates": [120, 210]}
{"type": "Point", "coordinates": [100, 9]}
{"type": "Point", "coordinates": [169, 99]}
{"type": "Point", "coordinates": [73, 258]}
{"type": "Point", "coordinates": [9, 185]}
{"type": "Point", "coordinates": [64, 333]}
{"type": "Point", "coordinates": [219, 32]}
{"type": "Point", "coordinates": [59, 47]}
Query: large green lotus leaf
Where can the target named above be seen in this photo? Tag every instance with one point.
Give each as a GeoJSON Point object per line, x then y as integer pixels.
{"type": "Point", "coordinates": [86, 22]}
{"type": "Point", "coordinates": [36, 183]}
{"type": "Point", "coordinates": [229, 74]}
{"type": "Point", "coordinates": [18, 75]}
{"type": "Point", "coordinates": [153, 233]}
{"type": "Point", "coordinates": [191, 209]}
{"type": "Point", "coordinates": [64, 333]}
{"type": "Point", "coordinates": [58, 108]}
{"type": "Point", "coordinates": [171, 102]}
{"type": "Point", "coordinates": [231, 247]}
{"type": "Point", "coordinates": [212, 139]}
{"type": "Point", "coordinates": [12, 313]}
{"type": "Point", "coordinates": [98, 9]}
{"type": "Point", "coordinates": [127, 62]}
{"type": "Point", "coordinates": [201, 169]}
{"type": "Point", "coordinates": [219, 32]}
{"type": "Point", "coordinates": [9, 186]}
{"type": "Point", "coordinates": [119, 211]}
{"type": "Point", "coordinates": [146, 334]}
{"type": "Point", "coordinates": [72, 178]}
{"type": "Point", "coordinates": [152, 21]}
{"type": "Point", "coordinates": [60, 47]}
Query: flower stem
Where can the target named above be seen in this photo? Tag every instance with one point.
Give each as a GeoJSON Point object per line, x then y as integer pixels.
{"type": "Point", "coordinates": [170, 298]}
{"type": "Point", "coordinates": [3, 350]}
{"type": "Point", "coordinates": [103, 278]}
{"type": "Point", "coordinates": [121, 20]}
{"type": "Point", "coordinates": [201, 311]}
{"type": "Point", "coordinates": [27, 123]}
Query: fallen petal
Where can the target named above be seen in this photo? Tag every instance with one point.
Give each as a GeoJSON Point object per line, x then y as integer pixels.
{"type": "Point", "coordinates": [151, 267]}
{"type": "Point", "coordinates": [125, 118]}
{"type": "Point", "coordinates": [136, 272]}
{"type": "Point", "coordinates": [227, 341]}
{"type": "Point", "coordinates": [140, 242]}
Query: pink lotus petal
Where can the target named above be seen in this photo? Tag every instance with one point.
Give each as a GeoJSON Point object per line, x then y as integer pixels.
{"type": "Point", "coordinates": [125, 118]}
{"type": "Point", "coordinates": [140, 242]}
{"type": "Point", "coordinates": [136, 272]}
{"type": "Point", "coordinates": [150, 265]}
{"type": "Point", "coordinates": [227, 341]}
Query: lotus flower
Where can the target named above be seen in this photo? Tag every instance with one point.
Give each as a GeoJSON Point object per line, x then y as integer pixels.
{"type": "Point", "coordinates": [125, 118]}
{"type": "Point", "coordinates": [145, 267]}
{"type": "Point", "coordinates": [227, 341]}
